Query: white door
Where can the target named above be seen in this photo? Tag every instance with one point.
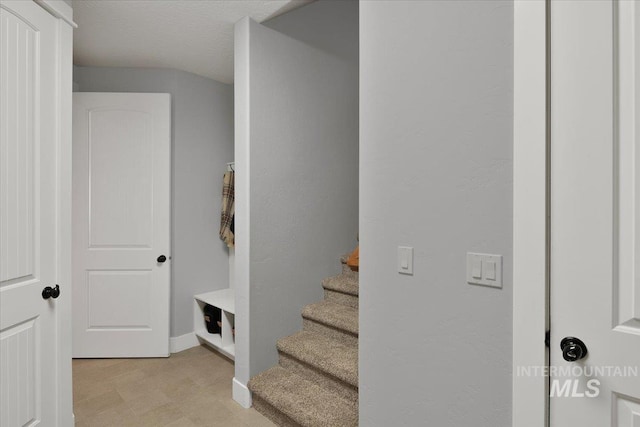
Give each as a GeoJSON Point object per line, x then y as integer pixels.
{"type": "Point", "coordinates": [121, 227]}
{"type": "Point", "coordinates": [30, 338]}
{"type": "Point", "coordinates": [595, 212]}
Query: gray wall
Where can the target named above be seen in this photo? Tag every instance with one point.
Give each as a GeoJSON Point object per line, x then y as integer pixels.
{"type": "Point", "coordinates": [300, 159]}
{"type": "Point", "coordinates": [329, 25]}
{"type": "Point", "coordinates": [202, 138]}
{"type": "Point", "coordinates": [436, 174]}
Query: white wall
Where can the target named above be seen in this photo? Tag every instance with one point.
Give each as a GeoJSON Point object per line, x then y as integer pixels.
{"type": "Point", "coordinates": [202, 139]}
{"type": "Point", "coordinates": [297, 181]}
{"type": "Point", "coordinates": [436, 174]}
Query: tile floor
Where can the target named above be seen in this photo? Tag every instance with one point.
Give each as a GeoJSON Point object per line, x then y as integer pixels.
{"type": "Point", "coordinates": [190, 388]}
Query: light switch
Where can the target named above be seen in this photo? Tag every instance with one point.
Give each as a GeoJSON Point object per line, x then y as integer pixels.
{"type": "Point", "coordinates": [490, 270]}
{"type": "Point", "coordinates": [484, 269]}
{"type": "Point", "coordinates": [476, 269]}
{"type": "Point", "coordinates": [405, 260]}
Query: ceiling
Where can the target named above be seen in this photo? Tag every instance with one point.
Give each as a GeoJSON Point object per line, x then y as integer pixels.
{"type": "Point", "coordinates": [189, 35]}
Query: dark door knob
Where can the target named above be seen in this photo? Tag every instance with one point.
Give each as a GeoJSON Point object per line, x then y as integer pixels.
{"type": "Point", "coordinates": [162, 259]}
{"type": "Point", "coordinates": [50, 292]}
{"type": "Point", "coordinates": [573, 349]}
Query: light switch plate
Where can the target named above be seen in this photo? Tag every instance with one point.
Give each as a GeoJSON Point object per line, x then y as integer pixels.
{"type": "Point", "coordinates": [484, 270]}
{"type": "Point", "coordinates": [405, 260]}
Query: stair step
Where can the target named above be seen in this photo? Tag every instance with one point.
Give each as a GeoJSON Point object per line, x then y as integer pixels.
{"type": "Point", "coordinates": [342, 289]}
{"type": "Point", "coordinates": [273, 414]}
{"type": "Point", "coordinates": [329, 383]}
{"type": "Point", "coordinates": [325, 361]}
{"type": "Point", "coordinates": [343, 262]}
{"type": "Point", "coordinates": [323, 353]}
{"type": "Point", "coordinates": [300, 400]}
{"type": "Point", "coordinates": [340, 298]}
{"type": "Point", "coordinates": [336, 321]}
{"type": "Point", "coordinates": [346, 283]}
{"type": "Point", "coordinates": [335, 315]}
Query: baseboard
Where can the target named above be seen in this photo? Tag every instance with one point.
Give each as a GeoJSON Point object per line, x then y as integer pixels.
{"type": "Point", "coordinates": [183, 342]}
{"type": "Point", "coordinates": [241, 394]}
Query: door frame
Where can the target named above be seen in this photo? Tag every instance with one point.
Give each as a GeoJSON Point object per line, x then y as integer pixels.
{"type": "Point", "coordinates": [64, 88]}
{"type": "Point", "coordinates": [530, 404]}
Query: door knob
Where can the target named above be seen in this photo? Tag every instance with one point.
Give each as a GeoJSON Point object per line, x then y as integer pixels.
{"type": "Point", "coordinates": [573, 349]}
{"type": "Point", "coordinates": [162, 259]}
{"type": "Point", "coordinates": [50, 292]}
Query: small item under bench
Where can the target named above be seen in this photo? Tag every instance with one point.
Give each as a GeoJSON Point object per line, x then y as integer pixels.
{"type": "Point", "coordinates": [214, 320]}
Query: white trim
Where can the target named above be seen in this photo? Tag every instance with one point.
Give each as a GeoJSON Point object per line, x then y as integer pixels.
{"type": "Point", "coordinates": [530, 278]}
{"type": "Point", "coordinates": [241, 394]}
{"type": "Point", "coordinates": [241, 157]}
{"type": "Point", "coordinates": [59, 9]}
{"type": "Point", "coordinates": [63, 218]}
{"type": "Point", "coordinates": [183, 342]}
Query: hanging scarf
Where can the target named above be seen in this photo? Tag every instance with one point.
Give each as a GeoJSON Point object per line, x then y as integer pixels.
{"type": "Point", "coordinates": [228, 209]}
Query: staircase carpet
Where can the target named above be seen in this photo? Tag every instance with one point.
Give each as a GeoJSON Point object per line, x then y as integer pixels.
{"type": "Point", "coordinates": [346, 283]}
{"type": "Point", "coordinates": [337, 316]}
{"type": "Point", "coordinates": [343, 262]}
{"type": "Point", "coordinates": [323, 353]}
{"type": "Point", "coordinates": [279, 391]}
{"type": "Point", "coordinates": [342, 289]}
{"type": "Point", "coordinates": [316, 382]}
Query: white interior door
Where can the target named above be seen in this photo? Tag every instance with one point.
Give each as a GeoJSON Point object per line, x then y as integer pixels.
{"type": "Point", "coordinates": [29, 331]}
{"type": "Point", "coordinates": [121, 209]}
{"type": "Point", "coordinates": [595, 211]}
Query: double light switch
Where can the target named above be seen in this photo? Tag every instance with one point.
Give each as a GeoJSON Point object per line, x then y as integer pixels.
{"type": "Point", "coordinates": [484, 269]}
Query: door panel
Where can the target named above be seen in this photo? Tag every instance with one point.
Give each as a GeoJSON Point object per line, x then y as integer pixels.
{"type": "Point", "coordinates": [19, 373]}
{"type": "Point", "coordinates": [129, 146]}
{"type": "Point", "coordinates": [627, 34]}
{"type": "Point", "coordinates": [105, 290]}
{"type": "Point", "coordinates": [121, 177]}
{"type": "Point", "coordinates": [19, 90]}
{"type": "Point", "coordinates": [28, 331]}
{"type": "Point", "coordinates": [626, 411]}
{"type": "Point", "coordinates": [595, 288]}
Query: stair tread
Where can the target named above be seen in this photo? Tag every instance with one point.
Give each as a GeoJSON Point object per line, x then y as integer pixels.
{"type": "Point", "coordinates": [335, 315]}
{"type": "Point", "coordinates": [303, 401]}
{"type": "Point", "coordinates": [326, 354]}
{"type": "Point", "coordinates": [346, 283]}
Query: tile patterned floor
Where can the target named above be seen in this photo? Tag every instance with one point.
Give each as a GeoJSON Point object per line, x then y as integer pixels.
{"type": "Point", "coordinates": [191, 388]}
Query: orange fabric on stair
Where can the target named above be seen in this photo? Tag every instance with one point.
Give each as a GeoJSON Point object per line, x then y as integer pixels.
{"type": "Point", "coordinates": [354, 259]}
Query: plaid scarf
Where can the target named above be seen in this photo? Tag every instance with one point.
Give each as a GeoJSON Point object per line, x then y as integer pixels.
{"type": "Point", "coordinates": [228, 210]}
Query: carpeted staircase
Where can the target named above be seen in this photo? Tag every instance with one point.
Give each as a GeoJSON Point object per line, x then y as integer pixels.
{"type": "Point", "coordinates": [316, 382]}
